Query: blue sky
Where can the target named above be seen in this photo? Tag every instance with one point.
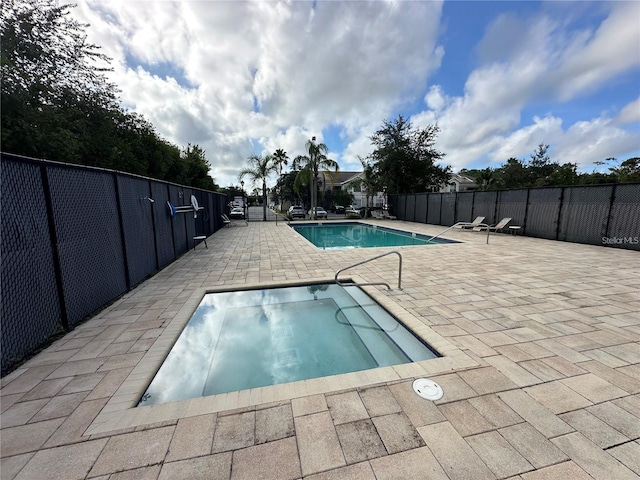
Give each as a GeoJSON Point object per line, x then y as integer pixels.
{"type": "Point", "coordinates": [499, 78]}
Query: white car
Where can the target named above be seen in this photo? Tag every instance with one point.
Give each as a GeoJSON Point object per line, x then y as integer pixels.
{"type": "Point", "coordinates": [296, 211]}
{"type": "Point", "coordinates": [237, 213]}
{"type": "Point", "coordinates": [352, 210]}
{"type": "Point", "coordinates": [320, 213]}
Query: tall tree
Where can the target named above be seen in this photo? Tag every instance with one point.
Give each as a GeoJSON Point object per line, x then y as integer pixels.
{"type": "Point", "coordinates": [513, 174]}
{"type": "Point", "coordinates": [311, 164]}
{"type": "Point", "coordinates": [280, 158]}
{"type": "Point", "coordinates": [197, 168]}
{"type": "Point", "coordinates": [58, 104]}
{"type": "Point", "coordinates": [628, 171]}
{"type": "Point", "coordinates": [486, 179]}
{"type": "Point", "coordinates": [369, 182]}
{"type": "Point", "coordinates": [407, 157]}
{"type": "Point", "coordinates": [259, 170]}
{"type": "Point", "coordinates": [51, 79]}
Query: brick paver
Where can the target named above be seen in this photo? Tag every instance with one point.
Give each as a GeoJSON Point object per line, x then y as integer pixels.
{"type": "Point", "coordinates": [541, 373]}
{"type": "Point", "coordinates": [318, 443]}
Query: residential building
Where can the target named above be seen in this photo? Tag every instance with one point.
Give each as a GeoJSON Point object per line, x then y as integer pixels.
{"type": "Point", "coordinates": [458, 183]}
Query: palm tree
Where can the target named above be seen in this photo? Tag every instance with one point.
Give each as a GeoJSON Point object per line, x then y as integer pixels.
{"type": "Point", "coordinates": [368, 181]}
{"type": "Point", "coordinates": [259, 170]}
{"type": "Point", "coordinates": [311, 165]}
{"type": "Point", "coordinates": [280, 158]}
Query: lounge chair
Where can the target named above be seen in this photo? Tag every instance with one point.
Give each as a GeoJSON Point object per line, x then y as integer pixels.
{"type": "Point", "coordinates": [228, 222]}
{"type": "Point", "coordinates": [469, 225]}
{"type": "Point", "coordinates": [494, 228]}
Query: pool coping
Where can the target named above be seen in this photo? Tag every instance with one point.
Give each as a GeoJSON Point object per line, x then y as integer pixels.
{"type": "Point", "coordinates": [121, 411]}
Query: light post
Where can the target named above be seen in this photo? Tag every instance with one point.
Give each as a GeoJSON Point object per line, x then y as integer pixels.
{"type": "Point", "coordinates": [314, 179]}
{"type": "Point", "coordinates": [384, 193]}
{"type": "Point", "coordinates": [244, 201]}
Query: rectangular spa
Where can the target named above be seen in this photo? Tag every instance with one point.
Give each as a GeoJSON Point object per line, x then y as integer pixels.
{"type": "Point", "coordinates": [342, 235]}
{"type": "Point", "coordinates": [255, 338]}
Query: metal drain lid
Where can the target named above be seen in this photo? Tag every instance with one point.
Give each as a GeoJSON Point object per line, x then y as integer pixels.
{"type": "Point", "coordinates": [428, 389]}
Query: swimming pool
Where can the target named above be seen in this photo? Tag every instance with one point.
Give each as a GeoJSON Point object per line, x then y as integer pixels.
{"type": "Point", "coordinates": [253, 338]}
{"type": "Point", "coordinates": [343, 235]}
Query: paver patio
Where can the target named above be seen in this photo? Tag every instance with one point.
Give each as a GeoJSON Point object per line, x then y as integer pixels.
{"type": "Point", "coordinates": [541, 373]}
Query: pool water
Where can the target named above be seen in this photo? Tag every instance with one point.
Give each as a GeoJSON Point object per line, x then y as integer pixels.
{"type": "Point", "coordinates": [344, 235]}
{"type": "Point", "coordinates": [255, 338]}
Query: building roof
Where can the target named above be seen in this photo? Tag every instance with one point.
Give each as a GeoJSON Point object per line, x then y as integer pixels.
{"type": "Point", "coordinates": [461, 179]}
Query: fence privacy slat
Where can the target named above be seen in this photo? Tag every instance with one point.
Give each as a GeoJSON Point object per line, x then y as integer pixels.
{"type": "Point", "coordinates": [593, 214]}
{"type": "Point", "coordinates": [70, 229]}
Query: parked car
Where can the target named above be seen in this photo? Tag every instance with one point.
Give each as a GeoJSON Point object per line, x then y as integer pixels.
{"type": "Point", "coordinates": [296, 211]}
{"type": "Point", "coordinates": [338, 209]}
{"type": "Point", "coordinates": [351, 210]}
{"type": "Point", "coordinates": [237, 213]}
{"type": "Point", "coordinates": [320, 213]}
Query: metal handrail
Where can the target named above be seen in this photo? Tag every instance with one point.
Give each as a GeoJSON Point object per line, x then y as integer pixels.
{"type": "Point", "coordinates": [281, 215]}
{"type": "Point", "coordinates": [369, 260]}
{"type": "Point", "coordinates": [468, 224]}
{"type": "Point", "coordinates": [378, 328]}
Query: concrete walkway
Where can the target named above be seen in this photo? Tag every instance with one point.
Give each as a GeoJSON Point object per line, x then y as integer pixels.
{"type": "Point", "coordinates": [541, 373]}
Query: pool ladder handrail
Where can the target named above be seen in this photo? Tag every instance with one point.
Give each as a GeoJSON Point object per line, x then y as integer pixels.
{"type": "Point", "coordinates": [288, 222]}
{"type": "Point", "coordinates": [367, 261]}
{"type": "Point", "coordinates": [458, 224]}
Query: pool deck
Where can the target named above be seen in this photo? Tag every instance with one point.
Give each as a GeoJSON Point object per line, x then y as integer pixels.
{"type": "Point", "coordinates": [541, 372]}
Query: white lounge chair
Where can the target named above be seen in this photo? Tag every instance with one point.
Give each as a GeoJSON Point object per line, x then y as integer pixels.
{"type": "Point", "coordinates": [228, 222]}
{"type": "Point", "coordinates": [469, 225]}
{"type": "Point", "coordinates": [494, 228]}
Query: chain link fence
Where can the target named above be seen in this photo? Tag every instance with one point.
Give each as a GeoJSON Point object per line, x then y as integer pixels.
{"type": "Point", "coordinates": [76, 238]}
{"type": "Point", "coordinates": [592, 214]}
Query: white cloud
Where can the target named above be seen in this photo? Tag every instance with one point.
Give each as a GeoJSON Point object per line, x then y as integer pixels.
{"type": "Point", "coordinates": [546, 130]}
{"type": "Point", "coordinates": [589, 141]}
{"type": "Point", "coordinates": [307, 66]}
{"type": "Point", "coordinates": [594, 58]}
{"type": "Point", "coordinates": [529, 62]}
{"type": "Point", "coordinates": [630, 113]}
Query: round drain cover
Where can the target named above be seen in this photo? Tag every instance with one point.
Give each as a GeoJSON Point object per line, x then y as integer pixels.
{"type": "Point", "coordinates": [428, 389]}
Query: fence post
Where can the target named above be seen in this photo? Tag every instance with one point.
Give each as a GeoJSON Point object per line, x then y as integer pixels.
{"type": "Point", "coordinates": [611, 201]}
{"type": "Point", "coordinates": [53, 236]}
{"type": "Point", "coordinates": [455, 207]}
{"type": "Point", "coordinates": [426, 212]}
{"type": "Point", "coordinates": [473, 205]}
{"type": "Point", "coordinates": [559, 213]}
{"type": "Point", "coordinates": [526, 211]}
{"type": "Point", "coordinates": [404, 213]}
{"type": "Point", "coordinates": [173, 233]}
{"type": "Point", "coordinates": [122, 235]}
{"type": "Point", "coordinates": [153, 226]}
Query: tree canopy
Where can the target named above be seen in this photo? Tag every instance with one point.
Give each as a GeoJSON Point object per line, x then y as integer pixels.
{"type": "Point", "coordinates": [57, 103]}
{"type": "Point", "coordinates": [406, 157]}
{"type": "Point", "coordinates": [541, 171]}
{"type": "Point", "coordinates": [368, 182]}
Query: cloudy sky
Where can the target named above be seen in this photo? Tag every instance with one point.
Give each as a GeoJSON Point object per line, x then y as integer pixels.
{"type": "Point", "coordinates": [499, 78]}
